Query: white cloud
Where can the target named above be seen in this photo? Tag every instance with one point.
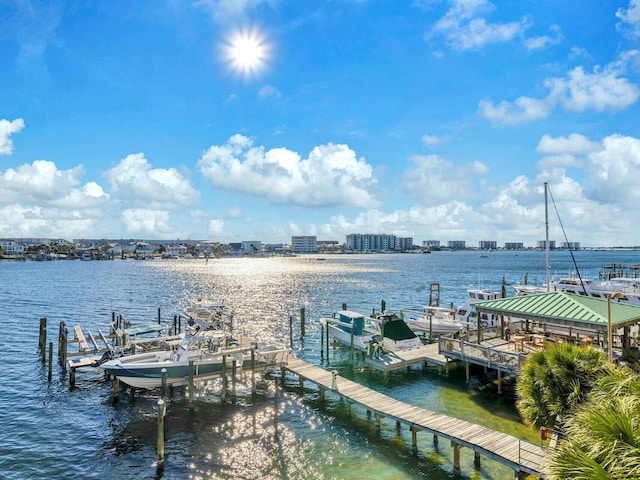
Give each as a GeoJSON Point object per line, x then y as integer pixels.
{"type": "Point", "coordinates": [600, 90]}
{"type": "Point", "coordinates": [216, 226]}
{"type": "Point", "coordinates": [545, 41]}
{"type": "Point", "coordinates": [630, 18]}
{"type": "Point", "coordinates": [41, 180]}
{"type": "Point", "coordinates": [433, 140]}
{"type": "Point", "coordinates": [604, 89]}
{"type": "Point", "coordinates": [8, 128]}
{"type": "Point", "coordinates": [144, 221]}
{"type": "Point", "coordinates": [331, 175]}
{"type": "Point", "coordinates": [269, 91]}
{"type": "Point", "coordinates": [522, 110]}
{"type": "Point", "coordinates": [134, 178]}
{"type": "Point", "coordinates": [615, 172]}
{"type": "Point", "coordinates": [463, 32]}
{"type": "Point", "coordinates": [573, 143]}
{"type": "Point", "coordinates": [434, 181]}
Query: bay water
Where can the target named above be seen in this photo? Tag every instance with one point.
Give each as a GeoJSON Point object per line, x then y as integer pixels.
{"type": "Point", "coordinates": [49, 431]}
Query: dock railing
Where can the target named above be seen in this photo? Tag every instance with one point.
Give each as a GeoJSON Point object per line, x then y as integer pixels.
{"type": "Point", "coordinates": [488, 356]}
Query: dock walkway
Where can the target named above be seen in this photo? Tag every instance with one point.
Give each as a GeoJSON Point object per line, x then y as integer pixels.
{"type": "Point", "coordinates": [523, 457]}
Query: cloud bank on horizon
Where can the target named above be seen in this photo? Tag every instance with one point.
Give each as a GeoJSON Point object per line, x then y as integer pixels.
{"type": "Point", "coordinates": [259, 120]}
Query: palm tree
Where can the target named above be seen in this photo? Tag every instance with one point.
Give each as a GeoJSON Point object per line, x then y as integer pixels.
{"type": "Point", "coordinates": [603, 438]}
{"type": "Point", "coordinates": [555, 380]}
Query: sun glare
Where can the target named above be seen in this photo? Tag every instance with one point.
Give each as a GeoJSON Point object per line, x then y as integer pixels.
{"type": "Point", "coordinates": [246, 52]}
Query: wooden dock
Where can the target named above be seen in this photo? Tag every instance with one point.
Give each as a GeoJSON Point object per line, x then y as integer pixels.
{"type": "Point", "coordinates": [525, 458]}
{"type": "Point", "coordinates": [427, 354]}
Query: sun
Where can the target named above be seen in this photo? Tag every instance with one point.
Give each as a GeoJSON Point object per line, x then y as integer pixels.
{"type": "Point", "coordinates": [246, 52]}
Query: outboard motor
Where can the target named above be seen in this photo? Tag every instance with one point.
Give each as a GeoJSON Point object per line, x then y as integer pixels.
{"type": "Point", "coordinates": [106, 356]}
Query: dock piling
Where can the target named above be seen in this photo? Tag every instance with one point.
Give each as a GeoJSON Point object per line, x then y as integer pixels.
{"type": "Point", "coordinates": [50, 374]}
{"type": "Point", "coordinates": [160, 444]}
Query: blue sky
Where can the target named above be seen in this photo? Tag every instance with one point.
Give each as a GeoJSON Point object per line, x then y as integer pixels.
{"type": "Point", "coordinates": [258, 120]}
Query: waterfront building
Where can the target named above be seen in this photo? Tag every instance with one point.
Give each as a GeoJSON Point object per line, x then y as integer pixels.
{"type": "Point", "coordinates": [404, 244]}
{"type": "Point", "coordinates": [11, 248]}
{"type": "Point", "coordinates": [431, 244]}
{"type": "Point", "coordinates": [251, 247]}
{"type": "Point", "coordinates": [542, 244]}
{"type": "Point", "coordinates": [371, 242]}
{"type": "Point", "coordinates": [304, 244]}
{"type": "Point", "coordinates": [514, 246]}
{"type": "Point", "coordinates": [456, 244]}
{"type": "Point", "coordinates": [570, 245]}
{"type": "Point", "coordinates": [487, 245]}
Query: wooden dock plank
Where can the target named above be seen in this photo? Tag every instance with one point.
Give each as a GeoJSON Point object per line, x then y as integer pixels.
{"type": "Point", "coordinates": [499, 446]}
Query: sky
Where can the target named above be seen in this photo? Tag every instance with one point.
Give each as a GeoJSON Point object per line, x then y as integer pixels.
{"type": "Point", "coordinates": [233, 120]}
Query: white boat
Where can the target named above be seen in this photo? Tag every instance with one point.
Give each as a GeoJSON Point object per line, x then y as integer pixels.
{"type": "Point", "coordinates": [204, 347]}
{"type": "Point", "coordinates": [385, 330]}
{"type": "Point", "coordinates": [629, 287]}
{"type": "Point", "coordinates": [433, 321]}
{"type": "Point", "coordinates": [467, 315]}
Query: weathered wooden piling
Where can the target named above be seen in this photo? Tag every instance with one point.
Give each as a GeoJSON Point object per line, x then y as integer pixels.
{"type": "Point", "coordinates": [290, 331]}
{"type": "Point", "coordinates": [160, 444]}
{"type": "Point", "coordinates": [42, 340]}
{"type": "Point", "coordinates": [163, 384]}
{"type": "Point", "coordinates": [302, 321]}
{"type": "Point", "coordinates": [233, 380]}
{"type": "Point", "coordinates": [50, 374]}
{"type": "Point", "coordinates": [223, 395]}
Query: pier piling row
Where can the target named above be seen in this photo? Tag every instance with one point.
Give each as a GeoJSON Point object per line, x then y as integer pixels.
{"type": "Point", "coordinates": [523, 457]}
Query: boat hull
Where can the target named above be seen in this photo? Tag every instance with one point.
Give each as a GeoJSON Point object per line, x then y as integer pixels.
{"type": "Point", "coordinates": [147, 372]}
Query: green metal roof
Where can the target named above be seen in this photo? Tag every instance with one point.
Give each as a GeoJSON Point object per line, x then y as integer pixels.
{"type": "Point", "coordinates": [563, 306]}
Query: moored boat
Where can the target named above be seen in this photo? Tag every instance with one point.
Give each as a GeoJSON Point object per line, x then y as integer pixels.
{"type": "Point", "coordinates": [205, 348]}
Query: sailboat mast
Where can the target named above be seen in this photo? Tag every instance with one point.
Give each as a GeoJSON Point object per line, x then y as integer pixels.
{"type": "Point", "coordinates": [546, 243]}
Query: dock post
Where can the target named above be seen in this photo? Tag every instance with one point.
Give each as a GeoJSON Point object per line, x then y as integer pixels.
{"type": "Point", "coordinates": [158, 315]}
{"type": "Point", "coordinates": [499, 382]}
{"type": "Point", "coordinates": [435, 440]}
{"type": "Point", "coordinates": [164, 384]}
{"type": "Point", "coordinates": [42, 341]}
{"type": "Point", "coordinates": [414, 439]}
{"type": "Point", "coordinates": [253, 372]}
{"type": "Point", "coordinates": [398, 425]}
{"type": "Point", "coordinates": [276, 402]}
{"type": "Point", "coordinates": [344, 306]}
{"type": "Point", "coordinates": [50, 374]}
{"type": "Point", "coordinates": [321, 341]}
{"type": "Point", "coordinates": [321, 393]}
{"type": "Point", "coordinates": [233, 380]}
{"type": "Point", "coordinates": [290, 331]}
{"type": "Point", "coordinates": [160, 444]}
{"type": "Point", "coordinates": [191, 384]}
{"type": "Point", "coordinates": [351, 343]}
{"type": "Point", "coordinates": [466, 371]}
{"type": "Point", "coordinates": [223, 395]}
{"type": "Point", "coordinates": [302, 320]}
{"type": "Point", "coordinates": [175, 324]}
{"type": "Point", "coordinates": [327, 339]}
{"type": "Point", "coordinates": [72, 378]}
{"type": "Point", "coordinates": [348, 407]}
{"type": "Point", "coordinates": [377, 417]}
{"type": "Point", "coordinates": [456, 456]}
{"type": "Point", "coordinates": [301, 384]}
{"type": "Point", "coordinates": [383, 306]}
{"type": "Point", "coordinates": [476, 459]}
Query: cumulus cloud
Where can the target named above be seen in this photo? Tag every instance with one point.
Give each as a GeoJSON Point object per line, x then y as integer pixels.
{"type": "Point", "coordinates": [216, 226]}
{"type": "Point", "coordinates": [572, 143]}
{"type": "Point", "coordinates": [39, 181]}
{"type": "Point", "coordinates": [464, 29]}
{"type": "Point", "coordinates": [7, 129]}
{"type": "Point", "coordinates": [545, 41]}
{"type": "Point", "coordinates": [603, 89]}
{"type": "Point", "coordinates": [433, 180]}
{"type": "Point", "coordinates": [134, 178]}
{"type": "Point", "coordinates": [331, 175]}
{"type": "Point", "coordinates": [614, 171]}
{"type": "Point", "coordinates": [144, 221]}
{"type": "Point", "coordinates": [630, 18]}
